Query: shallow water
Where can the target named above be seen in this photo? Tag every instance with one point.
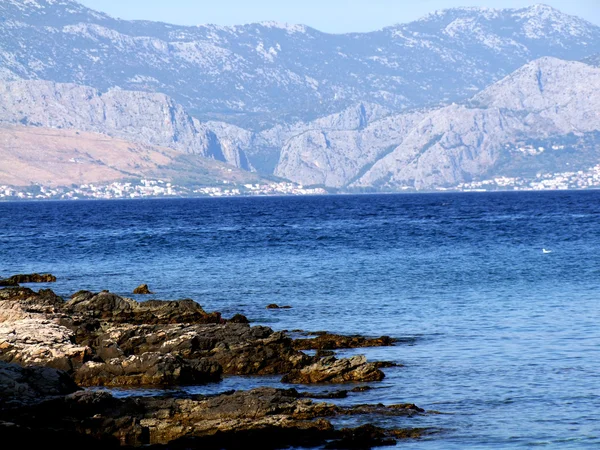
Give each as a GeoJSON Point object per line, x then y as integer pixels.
{"type": "Point", "coordinates": [502, 339]}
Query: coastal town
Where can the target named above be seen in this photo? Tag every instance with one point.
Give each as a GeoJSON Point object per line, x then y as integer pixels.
{"type": "Point", "coordinates": [152, 189]}
{"type": "Point", "coordinates": [145, 188]}
{"type": "Point", "coordinates": [580, 179]}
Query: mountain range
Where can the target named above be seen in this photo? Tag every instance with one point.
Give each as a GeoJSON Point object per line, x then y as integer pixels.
{"type": "Point", "coordinates": [423, 105]}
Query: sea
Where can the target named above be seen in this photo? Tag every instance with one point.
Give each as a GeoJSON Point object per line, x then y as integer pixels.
{"type": "Point", "coordinates": [494, 297]}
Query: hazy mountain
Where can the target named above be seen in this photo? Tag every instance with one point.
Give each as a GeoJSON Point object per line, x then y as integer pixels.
{"type": "Point", "coordinates": [142, 117]}
{"type": "Point", "coordinates": [445, 146]}
{"type": "Point", "coordinates": [260, 75]}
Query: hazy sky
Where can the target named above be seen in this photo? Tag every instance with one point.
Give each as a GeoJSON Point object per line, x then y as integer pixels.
{"type": "Point", "coordinates": [334, 16]}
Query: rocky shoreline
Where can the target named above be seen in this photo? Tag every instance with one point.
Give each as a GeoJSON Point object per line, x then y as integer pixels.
{"type": "Point", "coordinates": [52, 349]}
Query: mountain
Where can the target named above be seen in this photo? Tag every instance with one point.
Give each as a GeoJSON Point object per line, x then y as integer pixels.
{"type": "Point", "coordinates": [261, 75]}
{"type": "Point", "coordinates": [146, 118]}
{"type": "Point", "coordinates": [54, 157]}
{"type": "Point", "coordinates": [443, 147]}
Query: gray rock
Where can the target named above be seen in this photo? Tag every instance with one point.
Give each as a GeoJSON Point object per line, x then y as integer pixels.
{"type": "Point", "coordinates": [332, 370]}
{"type": "Point", "coordinates": [21, 386]}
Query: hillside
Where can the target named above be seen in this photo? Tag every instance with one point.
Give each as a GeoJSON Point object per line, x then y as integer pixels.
{"type": "Point", "coordinates": [54, 157]}
{"type": "Point", "coordinates": [461, 142]}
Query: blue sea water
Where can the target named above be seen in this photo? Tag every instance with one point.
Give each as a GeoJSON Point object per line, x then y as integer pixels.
{"type": "Point", "coordinates": [499, 337]}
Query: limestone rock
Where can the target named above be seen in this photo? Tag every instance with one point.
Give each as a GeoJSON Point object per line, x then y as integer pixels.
{"type": "Point", "coordinates": [41, 342]}
{"type": "Point", "coordinates": [29, 385]}
{"type": "Point", "coordinates": [332, 370]}
{"type": "Point", "coordinates": [148, 369]}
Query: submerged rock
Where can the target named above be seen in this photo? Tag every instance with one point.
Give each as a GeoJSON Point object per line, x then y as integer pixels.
{"type": "Point", "coordinates": [276, 306]}
{"type": "Point", "coordinates": [332, 370]}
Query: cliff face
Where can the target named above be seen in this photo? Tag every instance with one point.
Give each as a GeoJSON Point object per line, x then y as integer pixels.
{"type": "Point", "coordinates": [136, 116]}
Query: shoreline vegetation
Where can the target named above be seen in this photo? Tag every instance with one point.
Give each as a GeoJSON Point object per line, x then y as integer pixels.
{"type": "Point", "coordinates": [59, 358]}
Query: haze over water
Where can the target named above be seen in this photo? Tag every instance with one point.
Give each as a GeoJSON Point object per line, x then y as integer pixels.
{"type": "Point", "coordinates": [500, 337]}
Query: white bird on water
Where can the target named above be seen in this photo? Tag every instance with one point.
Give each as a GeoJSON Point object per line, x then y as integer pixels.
{"type": "Point", "coordinates": [546, 251]}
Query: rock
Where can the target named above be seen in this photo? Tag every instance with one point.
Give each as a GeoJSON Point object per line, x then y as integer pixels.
{"type": "Point", "coordinates": [29, 385]}
{"type": "Point", "coordinates": [276, 306]}
{"type": "Point", "coordinates": [113, 308]}
{"type": "Point", "coordinates": [260, 418]}
{"type": "Point", "coordinates": [41, 342]}
{"type": "Point", "coordinates": [239, 318]}
{"type": "Point", "coordinates": [33, 278]}
{"type": "Point", "coordinates": [332, 370]}
{"type": "Point", "coordinates": [148, 369]}
{"type": "Point", "coordinates": [363, 437]}
{"type": "Point", "coordinates": [8, 283]}
{"type": "Point", "coordinates": [20, 303]}
{"type": "Point", "coordinates": [326, 341]}
{"type": "Point", "coordinates": [142, 289]}
{"type": "Point", "coordinates": [237, 347]}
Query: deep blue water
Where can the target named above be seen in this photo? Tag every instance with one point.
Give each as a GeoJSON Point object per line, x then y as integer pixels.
{"type": "Point", "coordinates": [503, 339]}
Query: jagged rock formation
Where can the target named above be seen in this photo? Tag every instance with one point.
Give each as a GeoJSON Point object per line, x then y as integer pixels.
{"type": "Point", "coordinates": [443, 147]}
{"type": "Point", "coordinates": [261, 418]}
{"type": "Point", "coordinates": [104, 339]}
{"type": "Point", "coordinates": [258, 75]}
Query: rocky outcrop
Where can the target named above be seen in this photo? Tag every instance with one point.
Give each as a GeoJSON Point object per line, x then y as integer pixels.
{"type": "Point", "coordinates": [22, 303]}
{"type": "Point", "coordinates": [164, 344]}
{"type": "Point", "coordinates": [332, 370]}
{"type": "Point", "coordinates": [265, 417]}
{"type": "Point", "coordinates": [41, 342]}
{"type": "Point", "coordinates": [110, 307]}
{"type": "Point", "coordinates": [24, 386]}
{"type": "Point", "coordinates": [148, 369]}
{"type": "Point", "coordinates": [327, 341]}
{"type": "Point", "coordinates": [142, 289]}
{"type": "Point", "coordinates": [104, 339]}
{"type": "Point", "coordinates": [30, 278]}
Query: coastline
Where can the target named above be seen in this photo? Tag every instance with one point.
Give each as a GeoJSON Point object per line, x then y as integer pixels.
{"type": "Point", "coordinates": [52, 349]}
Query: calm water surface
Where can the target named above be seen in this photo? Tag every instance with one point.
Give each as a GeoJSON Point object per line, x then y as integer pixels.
{"type": "Point", "coordinates": [501, 338]}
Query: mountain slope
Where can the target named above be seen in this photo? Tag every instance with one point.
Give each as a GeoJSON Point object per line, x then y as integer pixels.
{"type": "Point", "coordinates": [142, 117]}
{"type": "Point", "coordinates": [260, 75]}
{"type": "Point", "coordinates": [446, 146]}
{"type": "Point", "coordinates": [54, 157]}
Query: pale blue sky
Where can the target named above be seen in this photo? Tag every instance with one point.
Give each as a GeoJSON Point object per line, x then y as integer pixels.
{"type": "Point", "coordinates": [334, 16]}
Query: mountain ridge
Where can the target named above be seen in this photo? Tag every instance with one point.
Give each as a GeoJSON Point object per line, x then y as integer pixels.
{"type": "Point", "coordinates": [258, 76]}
